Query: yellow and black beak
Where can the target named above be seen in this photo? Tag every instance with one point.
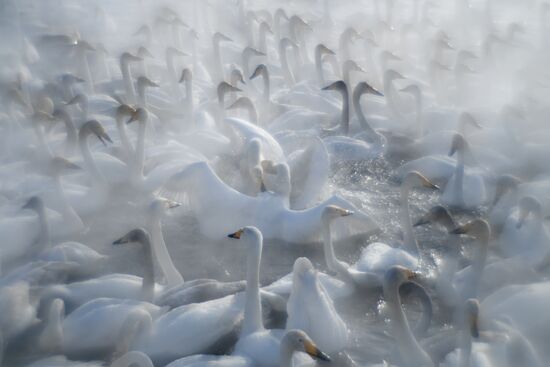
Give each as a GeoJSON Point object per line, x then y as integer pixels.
{"type": "Point", "coordinates": [315, 352]}
{"type": "Point", "coordinates": [133, 117]}
{"type": "Point", "coordinates": [460, 230]}
{"type": "Point", "coordinates": [236, 235]}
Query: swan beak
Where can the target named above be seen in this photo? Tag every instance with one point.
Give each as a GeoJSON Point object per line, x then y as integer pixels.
{"type": "Point", "coordinates": [422, 221]}
{"type": "Point", "coordinates": [236, 235]}
{"type": "Point", "coordinates": [430, 185]}
{"type": "Point", "coordinates": [122, 240]}
{"type": "Point", "coordinates": [315, 352]}
{"type": "Point", "coordinates": [460, 230]}
{"type": "Point", "coordinates": [269, 167]}
{"type": "Point", "coordinates": [346, 213]}
{"type": "Point", "coordinates": [375, 92]}
{"type": "Point", "coordinates": [105, 136]}
{"type": "Point", "coordinates": [133, 117]}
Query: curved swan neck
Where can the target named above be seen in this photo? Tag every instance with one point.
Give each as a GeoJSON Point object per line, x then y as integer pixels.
{"type": "Point", "coordinates": [401, 331]}
{"type": "Point", "coordinates": [126, 144]}
{"type": "Point", "coordinates": [330, 257]}
{"type": "Point", "coordinates": [44, 240]}
{"type": "Point", "coordinates": [140, 152]}
{"type": "Point", "coordinates": [283, 56]}
{"type": "Point", "coordinates": [357, 93]}
{"type": "Point", "coordinates": [128, 83]}
{"type": "Point", "coordinates": [253, 308]}
{"type": "Point", "coordinates": [409, 239]}
{"type": "Point", "coordinates": [459, 177]}
{"type": "Point", "coordinates": [148, 280]}
{"type": "Point", "coordinates": [88, 157]}
{"type": "Point", "coordinates": [172, 275]}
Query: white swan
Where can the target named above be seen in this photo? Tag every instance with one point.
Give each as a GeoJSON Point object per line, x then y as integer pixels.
{"type": "Point", "coordinates": [216, 206]}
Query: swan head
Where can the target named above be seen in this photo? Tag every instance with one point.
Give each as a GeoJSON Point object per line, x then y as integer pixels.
{"type": "Point", "coordinates": [338, 85]}
{"type": "Point", "coordinates": [351, 34]}
{"type": "Point", "coordinates": [138, 235]}
{"type": "Point", "coordinates": [365, 88]}
{"type": "Point", "coordinates": [251, 51]}
{"type": "Point", "coordinates": [144, 53]}
{"type": "Point", "coordinates": [123, 111]}
{"type": "Point", "coordinates": [280, 13]}
{"type": "Point", "coordinates": [140, 115]}
{"type": "Point", "coordinates": [127, 58]}
{"type": "Point", "coordinates": [94, 127]}
{"type": "Point", "coordinates": [416, 179]}
{"type": "Point", "coordinates": [504, 184]}
{"type": "Point", "coordinates": [70, 79]}
{"type": "Point", "coordinates": [528, 205]}
{"type": "Point", "coordinates": [459, 143]}
{"type": "Point", "coordinates": [391, 75]}
{"type": "Point", "coordinates": [350, 65]}
{"type": "Point", "coordinates": [303, 271]}
{"type": "Point", "coordinates": [437, 214]}
{"type": "Point", "coordinates": [299, 341]}
{"type": "Point", "coordinates": [59, 165]}
{"type": "Point", "coordinates": [236, 76]}
{"type": "Point", "coordinates": [172, 52]}
{"type": "Point", "coordinates": [79, 99]}
{"type": "Point", "coordinates": [34, 203]}
{"type": "Point", "coordinates": [478, 228]}
{"type": "Point", "coordinates": [321, 50]}
{"type": "Point", "coordinates": [144, 82]}
{"type": "Point", "coordinates": [225, 87]}
{"type": "Point", "coordinates": [219, 37]}
{"type": "Point", "coordinates": [246, 233]}
{"type": "Point", "coordinates": [471, 310]}
{"type": "Point", "coordinates": [186, 75]}
{"type": "Point", "coordinates": [397, 275]}
{"type": "Point", "coordinates": [258, 71]}
{"type": "Point", "coordinates": [264, 26]}
{"type": "Point", "coordinates": [467, 119]}
{"type": "Point", "coordinates": [331, 212]}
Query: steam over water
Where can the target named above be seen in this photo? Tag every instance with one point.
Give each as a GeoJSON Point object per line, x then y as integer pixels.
{"type": "Point", "coordinates": [416, 131]}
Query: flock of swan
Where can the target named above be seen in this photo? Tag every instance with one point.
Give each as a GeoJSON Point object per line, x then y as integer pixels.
{"type": "Point", "coordinates": [346, 183]}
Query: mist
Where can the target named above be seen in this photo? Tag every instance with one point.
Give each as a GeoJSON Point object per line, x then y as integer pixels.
{"type": "Point", "coordinates": [260, 183]}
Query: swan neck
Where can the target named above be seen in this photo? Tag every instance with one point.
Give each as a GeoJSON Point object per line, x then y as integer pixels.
{"type": "Point", "coordinates": [148, 280]}
{"type": "Point", "coordinates": [283, 55]}
{"type": "Point", "coordinates": [345, 111]}
{"type": "Point", "coordinates": [409, 239]}
{"type": "Point", "coordinates": [171, 274]}
{"type": "Point", "coordinates": [359, 112]}
{"type": "Point", "coordinates": [400, 329]}
{"type": "Point", "coordinates": [459, 177]}
{"type": "Point", "coordinates": [319, 66]}
{"type": "Point", "coordinates": [89, 159]}
{"type": "Point", "coordinates": [140, 151]}
{"type": "Point", "coordinates": [267, 86]}
{"type": "Point", "coordinates": [44, 241]}
{"type": "Point", "coordinates": [253, 308]}
{"type": "Point", "coordinates": [286, 353]}
{"type": "Point", "coordinates": [128, 83]}
{"type": "Point", "coordinates": [126, 145]}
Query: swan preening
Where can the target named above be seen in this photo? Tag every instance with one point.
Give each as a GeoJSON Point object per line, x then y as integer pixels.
{"type": "Point", "coordinates": [246, 183]}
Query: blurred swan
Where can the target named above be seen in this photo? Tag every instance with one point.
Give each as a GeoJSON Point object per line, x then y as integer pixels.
{"type": "Point", "coordinates": [293, 341]}
{"type": "Point", "coordinates": [216, 206]}
{"type": "Point", "coordinates": [310, 302]}
{"type": "Point", "coordinates": [410, 351]}
{"type": "Point", "coordinates": [524, 233]}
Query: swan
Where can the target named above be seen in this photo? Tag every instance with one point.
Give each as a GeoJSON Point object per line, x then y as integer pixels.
{"type": "Point", "coordinates": [202, 327]}
{"type": "Point", "coordinates": [489, 342]}
{"type": "Point", "coordinates": [102, 326]}
{"type": "Point", "coordinates": [215, 206]}
{"type": "Point", "coordinates": [524, 233]}
{"type": "Point", "coordinates": [463, 191]}
{"type": "Point", "coordinates": [117, 286]}
{"type": "Point", "coordinates": [410, 351]}
{"type": "Point", "coordinates": [309, 302]}
{"type": "Point", "coordinates": [87, 259]}
{"type": "Point", "coordinates": [293, 341]}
